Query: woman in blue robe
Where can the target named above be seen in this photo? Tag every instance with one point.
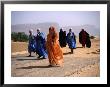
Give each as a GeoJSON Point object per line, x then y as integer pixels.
{"type": "Point", "coordinates": [71, 40]}
{"type": "Point", "coordinates": [32, 43]}
{"type": "Point", "coordinates": [41, 44]}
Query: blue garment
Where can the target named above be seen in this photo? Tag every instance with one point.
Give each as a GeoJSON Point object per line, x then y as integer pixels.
{"type": "Point", "coordinates": [71, 40]}
{"type": "Point", "coordinates": [32, 44]}
{"type": "Point", "coordinates": [40, 45]}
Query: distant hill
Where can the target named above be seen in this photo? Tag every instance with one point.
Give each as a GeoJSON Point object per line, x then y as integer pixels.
{"type": "Point", "coordinates": [26, 27]}
{"type": "Point", "coordinates": [92, 30]}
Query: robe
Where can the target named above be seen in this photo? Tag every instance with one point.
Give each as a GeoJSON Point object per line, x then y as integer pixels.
{"type": "Point", "coordinates": [32, 44]}
{"type": "Point", "coordinates": [84, 39]}
{"type": "Point", "coordinates": [71, 40]}
{"type": "Point", "coordinates": [62, 38]}
{"type": "Point", "coordinates": [88, 42]}
{"type": "Point", "coordinates": [55, 53]}
{"type": "Point", "coordinates": [41, 45]}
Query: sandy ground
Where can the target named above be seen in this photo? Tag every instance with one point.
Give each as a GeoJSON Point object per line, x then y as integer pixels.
{"type": "Point", "coordinates": [85, 62]}
{"type": "Point", "coordinates": [18, 47]}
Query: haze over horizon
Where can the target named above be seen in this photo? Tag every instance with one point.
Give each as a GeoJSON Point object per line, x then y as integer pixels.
{"type": "Point", "coordinates": [63, 18]}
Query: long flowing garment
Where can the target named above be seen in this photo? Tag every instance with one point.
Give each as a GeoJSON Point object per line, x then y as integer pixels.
{"type": "Point", "coordinates": [41, 45]}
{"type": "Point", "coordinates": [32, 44]}
{"type": "Point", "coordinates": [55, 53]}
{"type": "Point", "coordinates": [64, 39]}
{"type": "Point", "coordinates": [71, 40]}
{"type": "Point", "coordinates": [61, 38]}
{"type": "Point", "coordinates": [82, 38]}
{"type": "Point", "coordinates": [88, 42]}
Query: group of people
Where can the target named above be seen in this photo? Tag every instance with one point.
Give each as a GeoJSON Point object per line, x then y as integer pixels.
{"type": "Point", "coordinates": [46, 48]}
{"type": "Point", "coordinates": [37, 44]}
{"type": "Point", "coordinates": [70, 39]}
{"type": "Point", "coordinates": [51, 47]}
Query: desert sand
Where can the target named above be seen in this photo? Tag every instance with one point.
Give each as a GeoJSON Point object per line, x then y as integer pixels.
{"type": "Point", "coordinates": [84, 62]}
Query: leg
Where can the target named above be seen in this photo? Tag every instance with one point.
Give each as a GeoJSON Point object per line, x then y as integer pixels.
{"type": "Point", "coordinates": [30, 54]}
{"type": "Point", "coordinates": [37, 53]}
{"type": "Point", "coordinates": [71, 50]}
{"type": "Point", "coordinates": [44, 57]}
{"type": "Point", "coordinates": [38, 56]}
{"type": "Point", "coordinates": [83, 45]}
{"type": "Point", "coordinates": [44, 54]}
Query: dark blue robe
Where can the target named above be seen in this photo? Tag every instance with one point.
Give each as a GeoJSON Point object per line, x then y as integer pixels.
{"type": "Point", "coordinates": [71, 40]}
{"type": "Point", "coordinates": [41, 45]}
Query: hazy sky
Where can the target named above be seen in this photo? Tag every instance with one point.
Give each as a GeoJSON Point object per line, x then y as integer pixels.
{"type": "Point", "coordinates": [63, 18]}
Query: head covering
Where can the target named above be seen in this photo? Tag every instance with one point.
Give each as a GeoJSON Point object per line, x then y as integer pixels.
{"type": "Point", "coordinates": [52, 29]}
{"type": "Point", "coordinates": [70, 30]}
{"type": "Point", "coordinates": [61, 29]}
{"type": "Point", "coordinates": [38, 29]}
{"type": "Point", "coordinates": [82, 29]}
{"type": "Point", "coordinates": [31, 30]}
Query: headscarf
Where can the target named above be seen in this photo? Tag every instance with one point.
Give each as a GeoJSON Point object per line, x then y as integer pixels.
{"type": "Point", "coordinates": [38, 29]}
{"type": "Point", "coordinates": [71, 34]}
{"type": "Point", "coordinates": [31, 30]}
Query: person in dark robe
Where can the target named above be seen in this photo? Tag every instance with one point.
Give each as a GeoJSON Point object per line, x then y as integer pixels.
{"type": "Point", "coordinates": [88, 42]}
{"type": "Point", "coordinates": [64, 39]}
{"type": "Point", "coordinates": [71, 40]}
{"type": "Point", "coordinates": [84, 39]}
{"type": "Point", "coordinates": [61, 37]}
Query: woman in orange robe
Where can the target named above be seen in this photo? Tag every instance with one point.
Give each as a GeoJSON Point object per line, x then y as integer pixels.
{"type": "Point", "coordinates": [55, 54]}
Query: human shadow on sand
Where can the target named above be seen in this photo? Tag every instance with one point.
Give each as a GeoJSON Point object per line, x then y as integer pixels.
{"type": "Point", "coordinates": [23, 59]}
{"type": "Point", "coordinates": [93, 53]}
{"type": "Point", "coordinates": [31, 67]}
{"type": "Point", "coordinates": [79, 47]}
{"type": "Point", "coordinates": [29, 56]}
{"type": "Point", "coordinates": [67, 53]}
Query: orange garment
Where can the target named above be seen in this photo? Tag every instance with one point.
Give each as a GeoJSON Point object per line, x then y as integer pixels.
{"type": "Point", "coordinates": [55, 54]}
